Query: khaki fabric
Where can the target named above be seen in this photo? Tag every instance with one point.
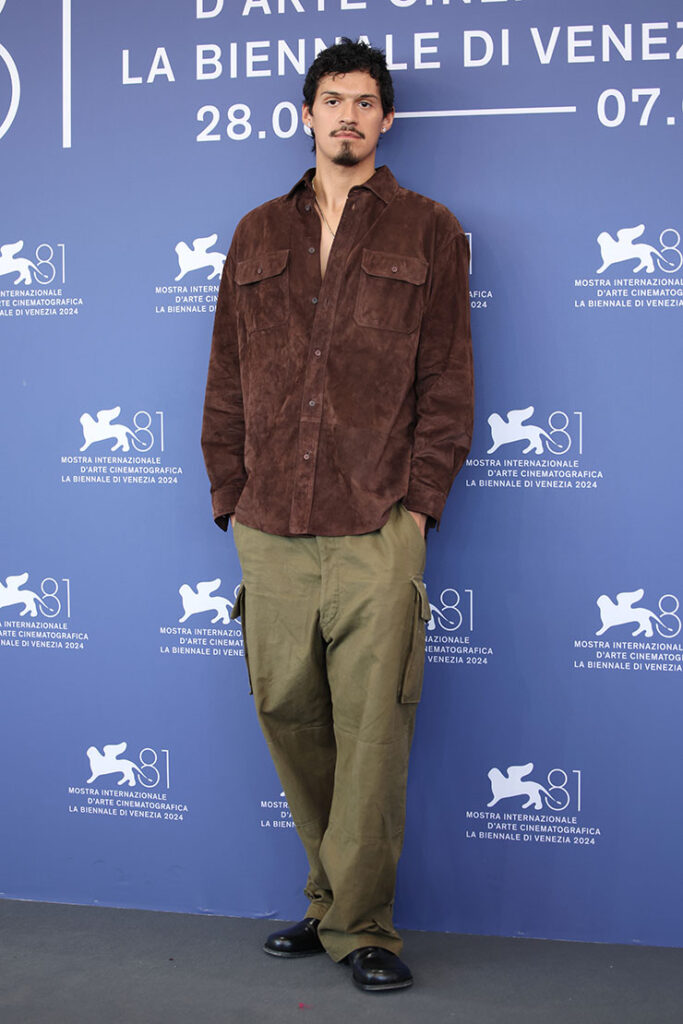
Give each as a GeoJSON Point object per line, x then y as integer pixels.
{"type": "Point", "coordinates": [333, 632]}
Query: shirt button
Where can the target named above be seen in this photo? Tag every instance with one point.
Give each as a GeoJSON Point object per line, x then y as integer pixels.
{"type": "Point", "coordinates": [259, 270]}
{"type": "Point", "coordinates": [317, 352]}
{"type": "Point", "coordinates": [394, 270]}
{"type": "Point", "coordinates": [307, 207]}
{"type": "Point", "coordinates": [312, 402]}
{"type": "Point", "coordinates": [307, 456]}
{"type": "Point", "coordinates": [314, 301]}
{"type": "Point", "coordinates": [311, 250]}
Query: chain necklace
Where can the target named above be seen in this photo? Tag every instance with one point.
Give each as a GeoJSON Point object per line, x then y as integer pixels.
{"type": "Point", "coordinates": [326, 222]}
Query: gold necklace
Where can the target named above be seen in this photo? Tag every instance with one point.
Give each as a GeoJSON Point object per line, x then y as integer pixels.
{"type": "Point", "coordinates": [315, 199]}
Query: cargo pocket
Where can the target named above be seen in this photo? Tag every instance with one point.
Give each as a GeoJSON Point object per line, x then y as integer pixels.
{"type": "Point", "coordinates": [410, 690]}
{"type": "Point", "coordinates": [263, 290]}
{"type": "Point", "coordinates": [390, 291]}
{"type": "Point", "coordinates": [238, 612]}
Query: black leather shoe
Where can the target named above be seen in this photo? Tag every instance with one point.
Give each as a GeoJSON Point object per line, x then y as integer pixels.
{"type": "Point", "coordinates": [299, 940]}
{"type": "Point", "coordinates": [376, 969]}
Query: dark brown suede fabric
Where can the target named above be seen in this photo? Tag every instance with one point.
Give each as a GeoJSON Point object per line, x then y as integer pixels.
{"type": "Point", "coordinates": [329, 400]}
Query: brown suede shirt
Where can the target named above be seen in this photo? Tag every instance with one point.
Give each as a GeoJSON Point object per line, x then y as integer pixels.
{"type": "Point", "coordinates": [328, 400]}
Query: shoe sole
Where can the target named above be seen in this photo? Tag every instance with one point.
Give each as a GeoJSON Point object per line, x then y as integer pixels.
{"type": "Point", "coordinates": [292, 956]}
{"type": "Point", "coordinates": [383, 988]}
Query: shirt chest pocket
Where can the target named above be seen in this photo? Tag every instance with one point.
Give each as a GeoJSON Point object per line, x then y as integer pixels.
{"type": "Point", "coordinates": [390, 291]}
{"type": "Point", "coordinates": [263, 290]}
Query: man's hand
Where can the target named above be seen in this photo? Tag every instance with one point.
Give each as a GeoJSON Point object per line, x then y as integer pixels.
{"type": "Point", "coordinates": [421, 520]}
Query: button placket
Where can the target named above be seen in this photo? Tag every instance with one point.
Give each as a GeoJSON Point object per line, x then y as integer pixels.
{"type": "Point", "coordinates": [310, 422]}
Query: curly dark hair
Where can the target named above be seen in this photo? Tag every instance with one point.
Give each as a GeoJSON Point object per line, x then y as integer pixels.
{"type": "Point", "coordinates": [350, 56]}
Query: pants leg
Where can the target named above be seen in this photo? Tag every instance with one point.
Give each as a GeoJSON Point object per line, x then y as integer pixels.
{"type": "Point", "coordinates": [334, 628]}
{"type": "Point", "coordinates": [375, 659]}
{"type": "Point", "coordinates": [279, 609]}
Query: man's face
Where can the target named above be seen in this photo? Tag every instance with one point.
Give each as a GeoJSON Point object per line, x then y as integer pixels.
{"type": "Point", "coordinates": [347, 117]}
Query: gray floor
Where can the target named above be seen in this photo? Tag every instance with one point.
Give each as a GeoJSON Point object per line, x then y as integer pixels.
{"type": "Point", "coordinates": [91, 964]}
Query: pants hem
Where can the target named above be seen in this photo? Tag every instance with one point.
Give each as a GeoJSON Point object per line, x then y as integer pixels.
{"type": "Point", "coordinates": [337, 950]}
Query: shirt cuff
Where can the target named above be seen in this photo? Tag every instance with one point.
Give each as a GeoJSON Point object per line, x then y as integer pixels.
{"type": "Point", "coordinates": [427, 501]}
{"type": "Point", "coordinates": [223, 503]}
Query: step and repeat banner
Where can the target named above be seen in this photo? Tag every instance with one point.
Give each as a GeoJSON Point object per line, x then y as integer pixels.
{"type": "Point", "coordinates": [545, 783]}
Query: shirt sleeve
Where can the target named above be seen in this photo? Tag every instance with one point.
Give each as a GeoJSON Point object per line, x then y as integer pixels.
{"type": "Point", "coordinates": [223, 423]}
{"type": "Point", "coordinates": [444, 383]}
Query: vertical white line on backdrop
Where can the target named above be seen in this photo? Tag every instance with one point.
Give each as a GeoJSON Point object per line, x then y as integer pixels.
{"type": "Point", "coordinates": [66, 74]}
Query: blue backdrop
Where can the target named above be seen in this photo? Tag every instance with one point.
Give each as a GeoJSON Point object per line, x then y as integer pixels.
{"type": "Point", "coordinates": [544, 794]}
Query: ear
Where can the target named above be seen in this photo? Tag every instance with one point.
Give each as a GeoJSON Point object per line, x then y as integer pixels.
{"type": "Point", "coordinates": [305, 113]}
{"type": "Point", "coordinates": [387, 121]}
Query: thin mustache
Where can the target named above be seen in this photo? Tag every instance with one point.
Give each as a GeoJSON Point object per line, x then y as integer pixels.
{"type": "Point", "coordinates": [359, 135]}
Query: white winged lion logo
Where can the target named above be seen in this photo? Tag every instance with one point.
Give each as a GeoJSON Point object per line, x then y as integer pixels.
{"type": "Point", "coordinates": [514, 428]}
{"type": "Point", "coordinates": [102, 428]}
{"type": "Point", "coordinates": [12, 263]}
{"type": "Point", "coordinates": [198, 257]}
{"type": "Point", "coordinates": [514, 784]}
{"type": "Point", "coordinates": [11, 593]}
{"type": "Point", "coordinates": [624, 613]}
{"type": "Point", "coordinates": [624, 248]}
{"type": "Point", "coordinates": [109, 763]}
{"type": "Point", "coordinates": [204, 599]}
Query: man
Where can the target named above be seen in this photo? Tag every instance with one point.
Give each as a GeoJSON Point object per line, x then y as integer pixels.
{"type": "Point", "coordinates": [338, 411]}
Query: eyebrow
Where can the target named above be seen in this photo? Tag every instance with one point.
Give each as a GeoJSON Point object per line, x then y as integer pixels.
{"type": "Point", "coordinates": [360, 96]}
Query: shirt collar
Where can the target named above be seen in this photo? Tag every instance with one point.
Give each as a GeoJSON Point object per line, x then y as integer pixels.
{"type": "Point", "coordinates": [382, 183]}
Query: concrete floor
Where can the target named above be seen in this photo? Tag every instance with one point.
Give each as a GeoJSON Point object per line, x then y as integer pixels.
{"type": "Point", "coordinates": [94, 965]}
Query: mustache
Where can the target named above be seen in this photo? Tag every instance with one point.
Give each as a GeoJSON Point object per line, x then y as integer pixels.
{"type": "Point", "coordinates": [353, 131]}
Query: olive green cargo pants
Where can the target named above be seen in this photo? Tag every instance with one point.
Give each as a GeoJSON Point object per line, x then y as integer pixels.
{"type": "Point", "coordinates": [333, 631]}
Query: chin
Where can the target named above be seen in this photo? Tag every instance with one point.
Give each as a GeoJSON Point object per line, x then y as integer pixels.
{"type": "Point", "coordinates": [346, 157]}
{"type": "Point", "coordinates": [346, 160]}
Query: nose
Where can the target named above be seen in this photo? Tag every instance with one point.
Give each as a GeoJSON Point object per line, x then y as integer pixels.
{"type": "Point", "coordinates": [347, 113]}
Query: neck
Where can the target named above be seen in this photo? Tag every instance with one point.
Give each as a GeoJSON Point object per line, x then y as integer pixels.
{"type": "Point", "coordinates": [332, 182]}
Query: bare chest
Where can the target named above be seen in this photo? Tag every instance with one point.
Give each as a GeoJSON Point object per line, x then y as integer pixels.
{"type": "Point", "coordinates": [329, 223]}
{"type": "Point", "coordinates": [325, 246]}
